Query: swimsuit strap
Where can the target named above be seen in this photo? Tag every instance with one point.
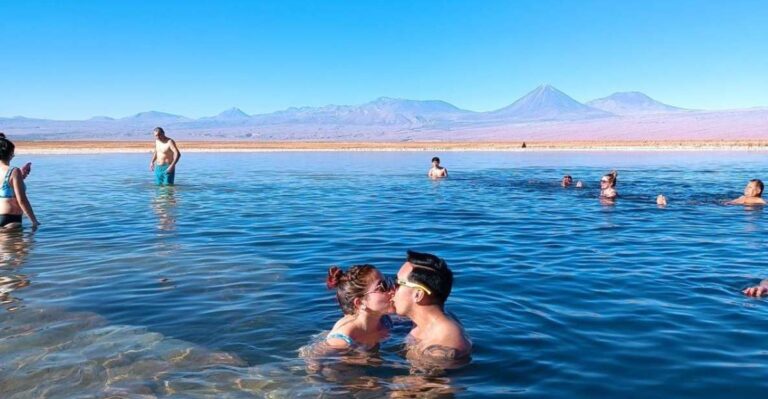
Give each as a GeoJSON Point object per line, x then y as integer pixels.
{"type": "Point", "coordinates": [8, 174]}
{"type": "Point", "coordinates": [344, 337]}
{"type": "Point", "coordinates": [6, 191]}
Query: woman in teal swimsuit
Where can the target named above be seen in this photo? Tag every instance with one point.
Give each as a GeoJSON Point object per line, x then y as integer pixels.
{"type": "Point", "coordinates": [365, 297]}
{"type": "Point", "coordinates": [13, 196]}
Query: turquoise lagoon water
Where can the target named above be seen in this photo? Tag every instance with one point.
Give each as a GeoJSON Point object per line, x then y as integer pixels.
{"type": "Point", "coordinates": [208, 289]}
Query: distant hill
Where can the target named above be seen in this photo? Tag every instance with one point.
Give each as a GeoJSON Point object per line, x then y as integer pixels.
{"type": "Point", "coordinates": [155, 117]}
{"type": "Point", "coordinates": [383, 111]}
{"type": "Point", "coordinates": [632, 103]}
{"type": "Point", "coordinates": [548, 103]}
{"type": "Point", "coordinates": [230, 114]}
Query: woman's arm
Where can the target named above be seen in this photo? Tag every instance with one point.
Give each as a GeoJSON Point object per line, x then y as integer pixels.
{"type": "Point", "coordinates": [21, 196]}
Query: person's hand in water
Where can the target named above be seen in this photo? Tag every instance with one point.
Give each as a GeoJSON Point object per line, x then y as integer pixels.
{"type": "Point", "coordinates": [170, 169]}
{"type": "Point", "coordinates": [757, 291]}
{"type": "Point", "coordinates": [26, 169]}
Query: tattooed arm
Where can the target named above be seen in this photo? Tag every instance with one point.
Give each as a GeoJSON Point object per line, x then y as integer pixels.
{"type": "Point", "coordinates": [440, 352]}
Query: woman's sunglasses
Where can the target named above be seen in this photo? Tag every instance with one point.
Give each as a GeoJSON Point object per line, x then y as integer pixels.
{"type": "Point", "coordinates": [384, 285]}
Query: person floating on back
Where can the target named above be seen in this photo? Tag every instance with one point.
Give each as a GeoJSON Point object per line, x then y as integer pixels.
{"type": "Point", "coordinates": [424, 283]}
{"type": "Point", "coordinates": [13, 194]}
{"type": "Point", "coordinates": [164, 158]}
{"type": "Point", "coordinates": [608, 186]}
{"type": "Point", "coordinates": [753, 193]}
{"type": "Point", "coordinates": [436, 170]}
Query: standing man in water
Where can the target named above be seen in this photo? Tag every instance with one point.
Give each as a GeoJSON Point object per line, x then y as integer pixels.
{"type": "Point", "coordinates": [164, 158]}
{"type": "Point", "coordinates": [436, 170]}
{"type": "Point", "coordinates": [424, 283]}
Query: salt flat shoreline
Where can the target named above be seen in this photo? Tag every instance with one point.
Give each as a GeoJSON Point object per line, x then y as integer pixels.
{"type": "Point", "coordinates": [106, 147]}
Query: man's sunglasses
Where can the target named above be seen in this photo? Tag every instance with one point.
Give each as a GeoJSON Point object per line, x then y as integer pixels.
{"type": "Point", "coordinates": [414, 285]}
{"type": "Point", "coordinates": [388, 284]}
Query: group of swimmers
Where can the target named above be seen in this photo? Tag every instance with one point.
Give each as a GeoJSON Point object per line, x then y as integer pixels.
{"type": "Point", "coordinates": [753, 192]}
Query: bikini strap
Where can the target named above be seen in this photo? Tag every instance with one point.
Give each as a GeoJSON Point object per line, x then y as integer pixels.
{"type": "Point", "coordinates": [8, 175]}
{"type": "Point", "coordinates": [344, 337]}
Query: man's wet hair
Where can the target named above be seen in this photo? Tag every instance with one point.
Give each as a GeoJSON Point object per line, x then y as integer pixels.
{"type": "Point", "coordinates": [432, 272]}
{"type": "Point", "coordinates": [436, 159]}
{"type": "Point", "coordinates": [759, 184]}
{"type": "Point", "coordinates": [159, 130]}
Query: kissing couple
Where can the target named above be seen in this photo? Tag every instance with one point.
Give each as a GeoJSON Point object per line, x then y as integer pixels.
{"type": "Point", "coordinates": [418, 292]}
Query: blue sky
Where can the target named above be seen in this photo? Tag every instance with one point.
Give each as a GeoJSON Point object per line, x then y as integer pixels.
{"type": "Point", "coordinates": [77, 59]}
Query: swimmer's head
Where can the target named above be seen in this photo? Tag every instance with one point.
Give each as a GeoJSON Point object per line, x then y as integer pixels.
{"type": "Point", "coordinates": [423, 279]}
{"type": "Point", "coordinates": [754, 188]}
{"type": "Point", "coordinates": [358, 282]}
{"type": "Point", "coordinates": [609, 179]}
{"type": "Point", "coordinates": [567, 180]}
{"type": "Point", "coordinates": [6, 149]}
{"type": "Point", "coordinates": [435, 161]}
{"type": "Point", "coordinates": [159, 132]}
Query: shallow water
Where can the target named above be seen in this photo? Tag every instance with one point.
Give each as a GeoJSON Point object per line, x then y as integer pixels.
{"type": "Point", "coordinates": [208, 289]}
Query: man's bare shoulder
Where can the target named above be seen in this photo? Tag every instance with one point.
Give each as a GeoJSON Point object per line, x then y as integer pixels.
{"type": "Point", "coordinates": [448, 340]}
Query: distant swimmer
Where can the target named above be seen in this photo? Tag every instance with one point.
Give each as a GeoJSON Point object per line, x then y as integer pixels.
{"type": "Point", "coordinates": [661, 200]}
{"type": "Point", "coordinates": [164, 158]}
{"type": "Point", "coordinates": [436, 170]}
{"type": "Point", "coordinates": [567, 181]}
{"type": "Point", "coordinates": [13, 194]}
{"type": "Point", "coordinates": [608, 186]}
{"type": "Point", "coordinates": [758, 290]}
{"type": "Point", "coordinates": [365, 298]}
{"type": "Point", "coordinates": [753, 193]}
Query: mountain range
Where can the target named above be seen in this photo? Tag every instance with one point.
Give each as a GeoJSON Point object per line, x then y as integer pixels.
{"type": "Point", "coordinates": [541, 113]}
